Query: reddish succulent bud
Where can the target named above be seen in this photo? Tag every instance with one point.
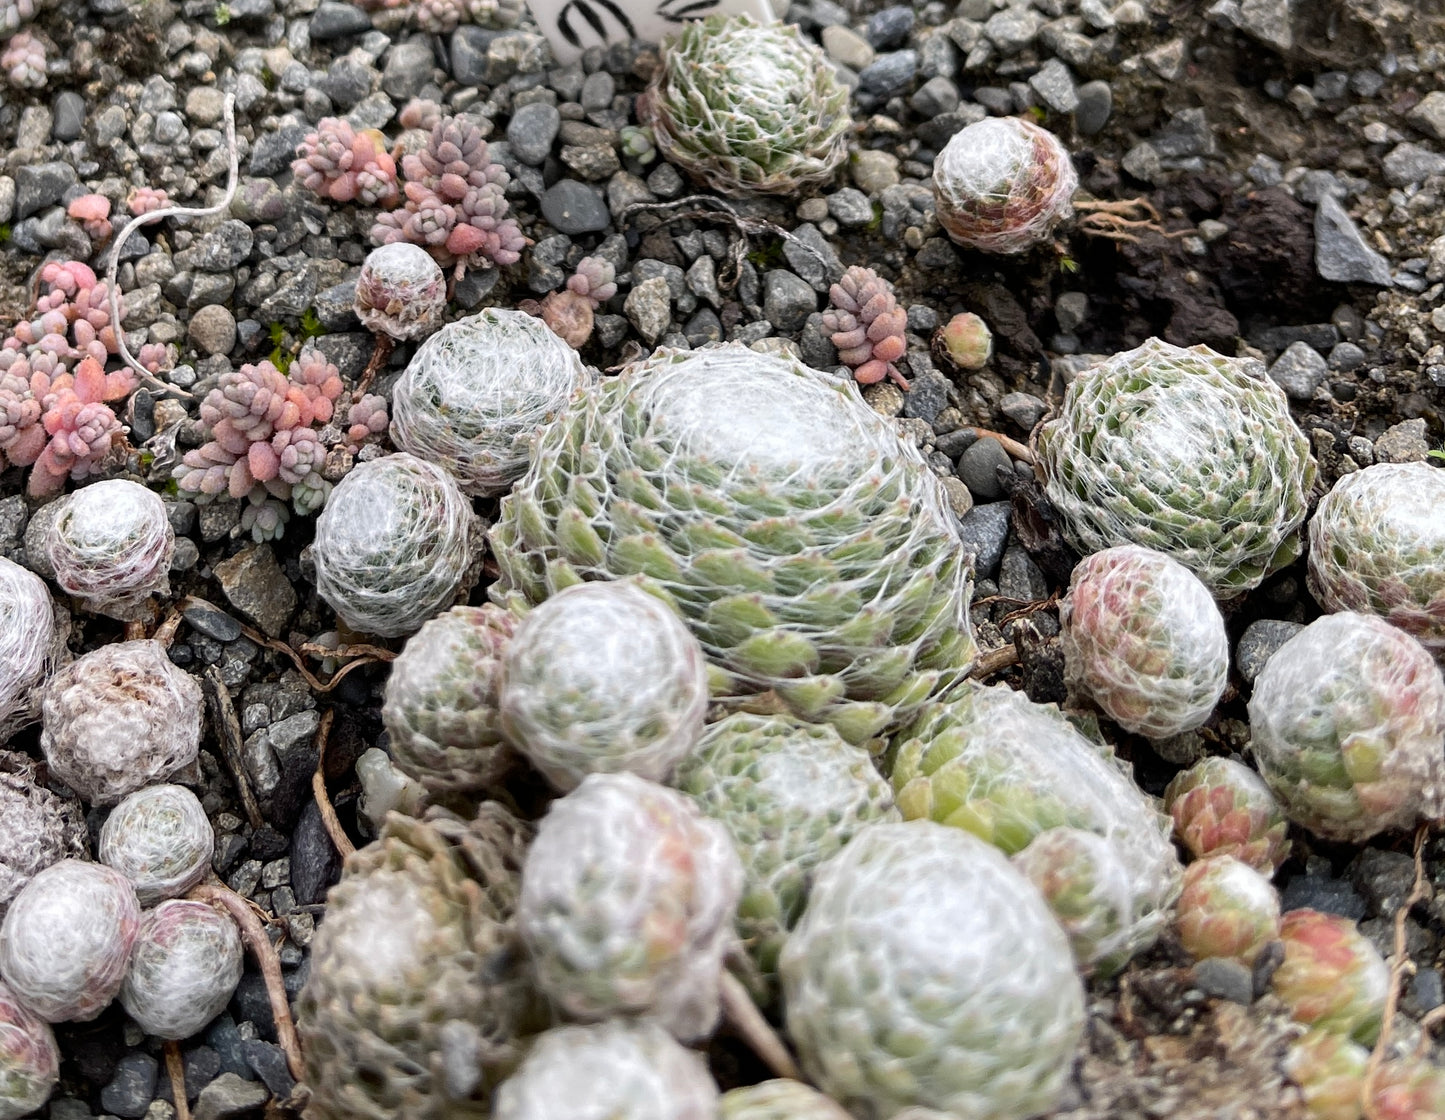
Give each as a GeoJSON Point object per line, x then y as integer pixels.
{"type": "Point", "coordinates": [1332, 976]}
{"type": "Point", "coordinates": [1227, 909]}
{"type": "Point", "coordinates": [966, 340]}
{"type": "Point", "coordinates": [1222, 807]}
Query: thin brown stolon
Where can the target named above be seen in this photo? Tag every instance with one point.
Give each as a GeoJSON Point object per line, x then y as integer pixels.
{"type": "Point", "coordinates": [1400, 965]}
{"type": "Point", "coordinates": [176, 1070]}
{"type": "Point", "coordinates": [745, 1018]}
{"type": "Point", "coordinates": [334, 830]}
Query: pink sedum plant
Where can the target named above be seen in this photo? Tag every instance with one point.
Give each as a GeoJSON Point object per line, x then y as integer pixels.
{"type": "Point", "coordinates": [867, 326]}
{"type": "Point", "coordinates": [344, 165]}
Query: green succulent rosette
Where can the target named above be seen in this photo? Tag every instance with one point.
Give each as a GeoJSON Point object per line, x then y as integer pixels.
{"type": "Point", "coordinates": [809, 550]}
{"type": "Point", "coordinates": [992, 762]}
{"type": "Point", "coordinates": [748, 108]}
{"type": "Point", "coordinates": [779, 1100]}
{"type": "Point", "coordinates": [1187, 452]}
{"type": "Point", "coordinates": [791, 795]}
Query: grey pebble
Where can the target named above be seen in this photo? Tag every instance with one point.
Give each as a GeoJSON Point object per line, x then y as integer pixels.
{"type": "Point", "coordinates": [1055, 87]}
{"type": "Point", "coordinates": [532, 130]}
{"type": "Point", "coordinates": [269, 1063]}
{"type": "Point", "coordinates": [1024, 409]}
{"type": "Point", "coordinates": [408, 68]}
{"type": "Point", "coordinates": [851, 207]}
{"type": "Point", "coordinates": [1317, 891]}
{"type": "Point", "coordinates": [1404, 442]}
{"type": "Point", "coordinates": [935, 96]}
{"type": "Point", "coordinates": [213, 623]}
{"type": "Point", "coordinates": [788, 299]}
{"type": "Point", "coordinates": [1259, 642]}
{"type": "Point", "coordinates": [256, 586]}
{"type": "Point", "coordinates": [979, 465]}
{"type": "Point", "coordinates": [332, 20]}
{"type": "Point", "coordinates": [273, 152]}
{"type": "Point", "coordinates": [468, 53]}
{"type": "Point", "coordinates": [41, 184]}
{"type": "Point", "coordinates": [1224, 978]}
{"type": "Point", "coordinates": [1410, 163]}
{"type": "Point", "coordinates": [572, 208]}
{"type": "Point", "coordinates": [889, 74]}
{"type": "Point", "coordinates": [212, 329]}
{"type": "Point", "coordinates": [1299, 371]}
{"type": "Point", "coordinates": [69, 116]}
{"type": "Point", "coordinates": [1341, 252]}
{"type": "Point", "coordinates": [889, 27]}
{"type": "Point", "coordinates": [927, 396]}
{"type": "Point", "coordinates": [1346, 356]}
{"type": "Point", "coordinates": [984, 531]}
{"type": "Point", "coordinates": [1020, 578]}
{"type": "Point", "coordinates": [229, 1097]}
{"type": "Point", "coordinates": [649, 308]}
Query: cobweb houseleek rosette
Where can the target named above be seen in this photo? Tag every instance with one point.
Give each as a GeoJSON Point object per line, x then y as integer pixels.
{"type": "Point", "coordinates": [748, 108]}
{"type": "Point", "coordinates": [809, 550]}
{"type": "Point", "coordinates": [1187, 452]}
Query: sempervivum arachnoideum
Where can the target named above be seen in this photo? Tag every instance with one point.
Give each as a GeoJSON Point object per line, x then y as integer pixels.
{"type": "Point", "coordinates": [1330, 1072]}
{"type": "Point", "coordinates": [779, 1100]}
{"type": "Point", "coordinates": [476, 392]}
{"type": "Point", "coordinates": [184, 968]}
{"type": "Point", "coordinates": [790, 795]}
{"type": "Point", "coordinates": [628, 896]}
{"type": "Point", "coordinates": [926, 971]}
{"type": "Point", "coordinates": [1222, 807]}
{"type": "Point", "coordinates": [111, 546]}
{"type": "Point", "coordinates": [1347, 719]}
{"type": "Point", "coordinates": [617, 1070]}
{"type": "Point", "coordinates": [748, 108]}
{"type": "Point", "coordinates": [960, 764]}
{"type": "Point", "coordinates": [417, 1004]}
{"type": "Point", "coordinates": [400, 292]}
{"type": "Point", "coordinates": [1226, 909]}
{"type": "Point", "coordinates": [67, 938]}
{"type": "Point", "coordinates": [1144, 640]}
{"type": "Point", "coordinates": [119, 718]}
{"type": "Point", "coordinates": [32, 643]}
{"type": "Point", "coordinates": [160, 839]}
{"type": "Point", "coordinates": [1187, 452]}
{"type": "Point", "coordinates": [440, 703]}
{"type": "Point", "coordinates": [600, 678]}
{"type": "Point", "coordinates": [29, 1058]}
{"type": "Point", "coordinates": [809, 550]}
{"type": "Point", "coordinates": [1001, 185]}
{"type": "Point", "coordinates": [1377, 545]}
{"type": "Point", "coordinates": [1332, 975]}
{"type": "Point", "coordinates": [37, 828]}
{"type": "Point", "coordinates": [394, 545]}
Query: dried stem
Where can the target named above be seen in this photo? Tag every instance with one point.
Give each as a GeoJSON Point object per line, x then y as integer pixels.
{"type": "Point", "coordinates": [994, 661]}
{"type": "Point", "coordinates": [384, 346]}
{"type": "Point", "coordinates": [318, 787]}
{"type": "Point", "coordinates": [220, 895]}
{"type": "Point", "coordinates": [228, 731]}
{"type": "Point", "coordinates": [745, 1018]}
{"type": "Point", "coordinates": [176, 1069]}
{"type": "Point", "coordinates": [1019, 451]}
{"type": "Point", "coordinates": [1400, 964]}
{"type": "Point", "coordinates": [233, 176]}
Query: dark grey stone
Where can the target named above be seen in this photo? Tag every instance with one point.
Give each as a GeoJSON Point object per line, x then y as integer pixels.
{"type": "Point", "coordinates": [1341, 252]}
{"type": "Point", "coordinates": [1096, 103]}
{"type": "Point", "coordinates": [850, 207]}
{"type": "Point", "coordinates": [889, 27]}
{"type": "Point", "coordinates": [1383, 879]}
{"type": "Point", "coordinates": [1024, 409]}
{"type": "Point", "coordinates": [230, 1097]}
{"type": "Point", "coordinates": [1319, 892]}
{"type": "Point", "coordinates": [955, 443]}
{"type": "Point", "coordinates": [813, 257]}
{"type": "Point", "coordinates": [788, 299]}
{"type": "Point", "coordinates": [1258, 643]}
{"type": "Point", "coordinates": [984, 531]}
{"type": "Point", "coordinates": [1299, 371]}
{"type": "Point", "coordinates": [348, 80]}
{"type": "Point", "coordinates": [408, 69]}
{"type": "Point", "coordinates": [315, 864]}
{"type": "Point", "coordinates": [935, 96]}
{"type": "Point", "coordinates": [213, 623]}
{"type": "Point", "coordinates": [202, 1065]}
{"type": "Point", "coordinates": [889, 74]}
{"type": "Point", "coordinates": [1020, 578]}
{"type": "Point", "coordinates": [572, 208]}
{"type": "Point", "coordinates": [469, 45]}
{"type": "Point", "coordinates": [269, 1062]}
{"type": "Point", "coordinates": [273, 152]}
{"type": "Point", "coordinates": [131, 1090]}
{"type": "Point", "coordinates": [1346, 356]}
{"type": "Point", "coordinates": [38, 185]}
{"type": "Point", "coordinates": [333, 20]}
{"type": "Point", "coordinates": [927, 396]}
{"type": "Point", "coordinates": [336, 306]}
{"type": "Point", "coordinates": [1224, 978]}
{"type": "Point", "coordinates": [1410, 163]}
{"type": "Point", "coordinates": [531, 131]}
{"type": "Point", "coordinates": [979, 465]}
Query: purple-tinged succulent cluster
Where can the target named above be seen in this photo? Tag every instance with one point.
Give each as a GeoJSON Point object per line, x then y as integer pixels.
{"type": "Point", "coordinates": [263, 438]}
{"type": "Point", "coordinates": [344, 165]}
{"type": "Point", "coordinates": [570, 312]}
{"type": "Point", "coordinates": [54, 391]}
{"type": "Point", "coordinates": [455, 206]}
{"type": "Point", "coordinates": [867, 326]}
{"type": "Point", "coordinates": [441, 16]}
{"type": "Point", "coordinates": [23, 61]}
{"type": "Point", "coordinates": [143, 200]}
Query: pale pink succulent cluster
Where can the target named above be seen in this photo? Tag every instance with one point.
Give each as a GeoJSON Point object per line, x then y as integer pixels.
{"type": "Point", "coordinates": [344, 165]}
{"type": "Point", "coordinates": [867, 326]}
{"type": "Point", "coordinates": [23, 61]}
{"type": "Point", "coordinates": [420, 112]}
{"type": "Point", "coordinates": [571, 312]}
{"type": "Point", "coordinates": [366, 419]}
{"type": "Point", "coordinates": [92, 211]}
{"type": "Point", "coordinates": [260, 423]}
{"type": "Point", "coordinates": [54, 391]}
{"type": "Point", "coordinates": [455, 206]}
{"type": "Point", "coordinates": [143, 200]}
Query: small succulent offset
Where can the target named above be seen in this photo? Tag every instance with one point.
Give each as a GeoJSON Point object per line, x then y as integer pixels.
{"type": "Point", "coordinates": [867, 326]}
{"type": "Point", "coordinates": [601, 678]}
{"type": "Point", "coordinates": [748, 108]}
{"type": "Point", "coordinates": [401, 292]}
{"type": "Point", "coordinates": [628, 896]}
{"type": "Point", "coordinates": [790, 795]}
{"type": "Point", "coordinates": [440, 704]}
{"type": "Point", "coordinates": [23, 61]}
{"type": "Point", "coordinates": [120, 718]}
{"type": "Point", "coordinates": [32, 643]}
{"type": "Point", "coordinates": [37, 827]}
{"type": "Point", "coordinates": [1002, 185]}
{"type": "Point", "coordinates": [926, 971]}
{"type": "Point", "coordinates": [1186, 452]}
{"type": "Point", "coordinates": [344, 165]}
{"type": "Point", "coordinates": [476, 393]}
{"type": "Point", "coordinates": [1330, 1072]}
{"type": "Point", "coordinates": [1332, 977]}
{"type": "Point", "coordinates": [1347, 719]}
{"type": "Point", "coordinates": [779, 1100]}
{"type": "Point", "coordinates": [1377, 545]}
{"type": "Point", "coordinates": [111, 547]}
{"type": "Point", "coordinates": [1222, 807]}
{"type": "Point", "coordinates": [570, 313]}
{"type": "Point", "coordinates": [1226, 909]}
{"type": "Point", "coordinates": [184, 968]}
{"type": "Point", "coordinates": [1143, 639]}
{"type": "Point", "coordinates": [623, 1069]}
{"type": "Point", "coordinates": [417, 1004]}
{"type": "Point", "coordinates": [395, 544]}
{"type": "Point", "coordinates": [728, 482]}
{"type": "Point", "coordinates": [160, 839]}
{"type": "Point", "coordinates": [29, 1058]}
{"type": "Point", "coordinates": [966, 341]}
{"type": "Point", "coordinates": [454, 205]}
{"type": "Point", "coordinates": [960, 764]}
{"type": "Point", "coordinates": [67, 938]}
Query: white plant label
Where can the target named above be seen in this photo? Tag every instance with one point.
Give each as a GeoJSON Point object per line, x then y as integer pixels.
{"type": "Point", "coordinates": [571, 26]}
